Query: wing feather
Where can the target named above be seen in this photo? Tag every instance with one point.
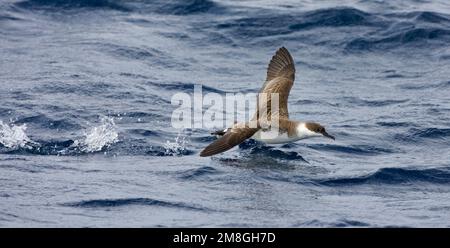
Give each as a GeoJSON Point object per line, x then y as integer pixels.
{"type": "Point", "coordinates": [281, 65]}
{"type": "Point", "coordinates": [232, 138]}
{"type": "Point", "coordinates": [280, 78]}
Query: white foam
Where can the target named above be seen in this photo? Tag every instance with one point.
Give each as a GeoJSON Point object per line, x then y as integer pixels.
{"type": "Point", "coordinates": [100, 136]}
{"type": "Point", "coordinates": [14, 136]}
{"type": "Point", "coordinates": [176, 147]}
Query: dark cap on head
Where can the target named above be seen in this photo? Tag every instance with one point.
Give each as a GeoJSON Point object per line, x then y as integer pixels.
{"type": "Point", "coordinates": [317, 128]}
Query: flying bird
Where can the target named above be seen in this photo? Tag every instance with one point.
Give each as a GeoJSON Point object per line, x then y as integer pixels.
{"type": "Point", "coordinates": [279, 81]}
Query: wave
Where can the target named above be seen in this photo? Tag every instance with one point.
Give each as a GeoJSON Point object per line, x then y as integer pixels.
{"type": "Point", "coordinates": [335, 17]}
{"type": "Point", "coordinates": [145, 132]}
{"type": "Point", "coordinates": [125, 202]}
{"type": "Point", "coordinates": [9, 17]}
{"type": "Point", "coordinates": [315, 103]}
{"type": "Point", "coordinates": [355, 150]}
{"type": "Point", "coordinates": [147, 54]}
{"type": "Point", "coordinates": [170, 7]}
{"type": "Point", "coordinates": [46, 122]}
{"type": "Point", "coordinates": [188, 7]}
{"type": "Point", "coordinates": [369, 31]}
{"type": "Point", "coordinates": [380, 32]}
{"type": "Point", "coordinates": [415, 36]}
{"type": "Point", "coordinates": [422, 86]}
{"type": "Point", "coordinates": [431, 132]}
{"type": "Point", "coordinates": [274, 23]}
{"type": "Point", "coordinates": [394, 176]}
{"type": "Point", "coordinates": [139, 53]}
{"type": "Point", "coordinates": [88, 88]}
{"type": "Point", "coordinates": [71, 4]}
{"type": "Point", "coordinates": [198, 173]}
{"type": "Point", "coordinates": [373, 103]}
{"type": "Point", "coordinates": [338, 223]}
{"type": "Point", "coordinates": [418, 134]}
{"type": "Point", "coordinates": [426, 17]}
{"type": "Point", "coordinates": [406, 29]}
{"type": "Point", "coordinates": [394, 124]}
{"type": "Point", "coordinates": [180, 86]}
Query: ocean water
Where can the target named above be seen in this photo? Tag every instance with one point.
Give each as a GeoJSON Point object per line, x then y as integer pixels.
{"type": "Point", "coordinates": [85, 110]}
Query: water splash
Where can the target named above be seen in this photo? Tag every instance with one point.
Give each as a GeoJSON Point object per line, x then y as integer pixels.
{"type": "Point", "coordinates": [176, 147]}
{"type": "Point", "coordinates": [99, 137]}
{"type": "Point", "coordinates": [14, 136]}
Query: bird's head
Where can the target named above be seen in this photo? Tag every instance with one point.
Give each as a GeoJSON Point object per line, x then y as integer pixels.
{"type": "Point", "coordinates": [318, 130]}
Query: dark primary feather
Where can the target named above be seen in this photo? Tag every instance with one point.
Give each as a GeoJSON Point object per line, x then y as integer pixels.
{"type": "Point", "coordinates": [232, 138]}
{"type": "Point", "coordinates": [280, 78]}
{"type": "Point", "coordinates": [281, 65]}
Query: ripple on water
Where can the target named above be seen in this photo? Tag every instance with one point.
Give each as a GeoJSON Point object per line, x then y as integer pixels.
{"type": "Point", "coordinates": [352, 149]}
{"type": "Point", "coordinates": [394, 176]}
{"type": "Point", "coordinates": [125, 202]}
{"type": "Point", "coordinates": [197, 173]}
{"type": "Point", "coordinates": [420, 134]}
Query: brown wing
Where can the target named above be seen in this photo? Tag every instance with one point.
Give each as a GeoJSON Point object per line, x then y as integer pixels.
{"type": "Point", "coordinates": [280, 78]}
{"type": "Point", "coordinates": [233, 137]}
{"type": "Point", "coordinates": [281, 65]}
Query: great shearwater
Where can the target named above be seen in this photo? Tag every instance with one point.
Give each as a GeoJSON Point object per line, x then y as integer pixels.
{"type": "Point", "coordinates": [279, 80]}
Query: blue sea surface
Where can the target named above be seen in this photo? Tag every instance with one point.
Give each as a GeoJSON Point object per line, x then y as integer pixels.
{"type": "Point", "coordinates": [85, 113]}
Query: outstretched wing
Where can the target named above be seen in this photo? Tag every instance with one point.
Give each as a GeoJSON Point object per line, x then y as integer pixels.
{"type": "Point", "coordinates": [280, 78]}
{"type": "Point", "coordinates": [233, 137]}
{"type": "Point", "coordinates": [281, 65]}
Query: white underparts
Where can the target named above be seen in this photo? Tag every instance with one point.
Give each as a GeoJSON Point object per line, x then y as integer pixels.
{"type": "Point", "coordinates": [273, 137]}
{"type": "Point", "coordinates": [277, 137]}
{"type": "Point", "coordinates": [303, 132]}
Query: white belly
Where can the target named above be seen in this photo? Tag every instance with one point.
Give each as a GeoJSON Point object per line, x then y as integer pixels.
{"type": "Point", "coordinates": [272, 137]}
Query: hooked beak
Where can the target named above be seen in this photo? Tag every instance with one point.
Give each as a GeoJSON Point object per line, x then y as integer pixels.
{"type": "Point", "coordinates": [328, 136]}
